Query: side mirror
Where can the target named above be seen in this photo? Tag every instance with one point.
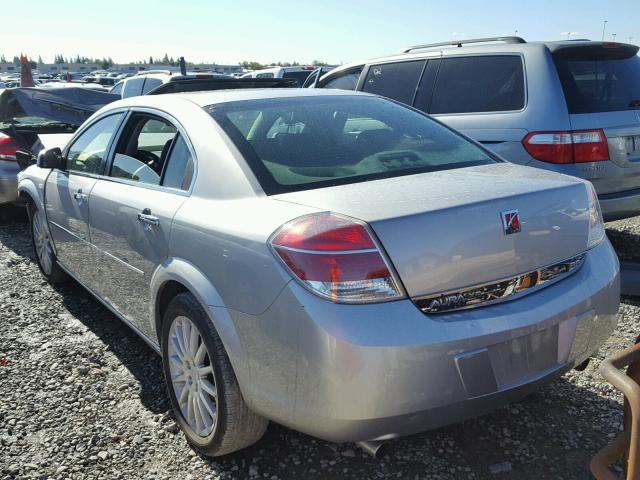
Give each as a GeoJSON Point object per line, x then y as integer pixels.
{"type": "Point", "coordinates": [51, 158]}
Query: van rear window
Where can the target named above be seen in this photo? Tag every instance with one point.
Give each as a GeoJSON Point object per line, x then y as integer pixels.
{"type": "Point", "coordinates": [599, 79]}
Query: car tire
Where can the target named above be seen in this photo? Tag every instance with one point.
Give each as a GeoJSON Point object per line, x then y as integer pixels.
{"type": "Point", "coordinates": [234, 425]}
{"type": "Point", "coordinates": [42, 247]}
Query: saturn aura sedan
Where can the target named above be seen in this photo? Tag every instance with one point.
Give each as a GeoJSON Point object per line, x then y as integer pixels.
{"type": "Point", "coordinates": [332, 261]}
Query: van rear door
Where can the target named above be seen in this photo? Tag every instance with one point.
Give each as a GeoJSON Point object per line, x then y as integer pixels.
{"type": "Point", "coordinates": [601, 84]}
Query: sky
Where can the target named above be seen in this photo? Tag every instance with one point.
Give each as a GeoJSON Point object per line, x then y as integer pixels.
{"type": "Point", "coordinates": [334, 31]}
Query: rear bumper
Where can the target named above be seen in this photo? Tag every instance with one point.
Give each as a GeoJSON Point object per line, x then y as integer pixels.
{"type": "Point", "coordinates": [8, 182]}
{"type": "Point", "coordinates": [365, 372]}
{"type": "Point", "coordinates": [620, 204]}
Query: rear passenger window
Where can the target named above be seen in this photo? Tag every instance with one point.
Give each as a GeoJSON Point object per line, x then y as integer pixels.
{"type": "Point", "coordinates": [346, 81]}
{"type": "Point", "coordinates": [150, 84]}
{"type": "Point", "coordinates": [394, 80]}
{"type": "Point", "coordinates": [479, 84]}
{"type": "Point", "coordinates": [133, 87]}
{"type": "Point", "coordinates": [179, 170]}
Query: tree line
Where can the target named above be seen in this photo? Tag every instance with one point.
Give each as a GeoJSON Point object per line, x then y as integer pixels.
{"type": "Point", "coordinates": [107, 62]}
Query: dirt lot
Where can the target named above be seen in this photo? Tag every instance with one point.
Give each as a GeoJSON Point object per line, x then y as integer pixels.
{"type": "Point", "coordinates": [82, 397]}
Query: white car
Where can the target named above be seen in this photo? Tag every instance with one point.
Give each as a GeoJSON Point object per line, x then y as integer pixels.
{"type": "Point", "coordinates": [297, 73]}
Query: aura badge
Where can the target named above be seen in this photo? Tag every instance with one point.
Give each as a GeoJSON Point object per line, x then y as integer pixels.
{"type": "Point", "coordinates": [510, 221]}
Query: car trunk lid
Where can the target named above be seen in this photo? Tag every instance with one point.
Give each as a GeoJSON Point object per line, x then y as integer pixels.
{"type": "Point", "coordinates": [444, 231]}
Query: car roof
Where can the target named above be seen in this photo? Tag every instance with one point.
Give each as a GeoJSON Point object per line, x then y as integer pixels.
{"type": "Point", "coordinates": [203, 99]}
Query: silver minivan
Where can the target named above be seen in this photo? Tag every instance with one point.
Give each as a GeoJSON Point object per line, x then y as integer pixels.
{"type": "Point", "coordinates": [568, 106]}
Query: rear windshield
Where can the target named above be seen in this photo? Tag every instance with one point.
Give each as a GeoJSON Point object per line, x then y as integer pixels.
{"type": "Point", "coordinates": [302, 143]}
{"type": "Point", "coordinates": [599, 79]}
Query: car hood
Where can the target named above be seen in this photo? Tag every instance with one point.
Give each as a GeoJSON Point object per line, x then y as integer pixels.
{"type": "Point", "coordinates": [69, 106]}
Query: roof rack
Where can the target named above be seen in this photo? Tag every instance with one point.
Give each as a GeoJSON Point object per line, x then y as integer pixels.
{"type": "Point", "coordinates": [459, 43]}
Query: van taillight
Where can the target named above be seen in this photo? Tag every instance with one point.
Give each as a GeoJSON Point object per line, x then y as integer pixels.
{"type": "Point", "coordinates": [8, 147]}
{"type": "Point", "coordinates": [577, 146]}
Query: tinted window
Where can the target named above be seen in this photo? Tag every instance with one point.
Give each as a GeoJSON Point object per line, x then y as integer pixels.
{"type": "Point", "coordinates": [264, 75]}
{"type": "Point", "coordinates": [479, 84]}
{"type": "Point", "coordinates": [143, 150]}
{"type": "Point", "coordinates": [179, 170]}
{"type": "Point", "coordinates": [150, 84]}
{"type": "Point", "coordinates": [299, 76]}
{"type": "Point", "coordinates": [87, 153]}
{"type": "Point", "coordinates": [596, 80]}
{"type": "Point", "coordinates": [117, 88]}
{"type": "Point", "coordinates": [308, 142]}
{"type": "Point", "coordinates": [394, 80]}
{"type": "Point", "coordinates": [346, 81]}
{"type": "Point", "coordinates": [133, 87]}
{"type": "Point", "coordinates": [425, 89]}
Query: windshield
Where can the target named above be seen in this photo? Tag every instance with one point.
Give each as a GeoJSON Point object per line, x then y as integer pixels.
{"type": "Point", "coordinates": [599, 80]}
{"type": "Point", "coordinates": [301, 143]}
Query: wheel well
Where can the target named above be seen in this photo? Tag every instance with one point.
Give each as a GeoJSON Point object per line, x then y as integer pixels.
{"type": "Point", "coordinates": [167, 292]}
{"type": "Point", "coordinates": [28, 200]}
{"type": "Point", "coordinates": [26, 197]}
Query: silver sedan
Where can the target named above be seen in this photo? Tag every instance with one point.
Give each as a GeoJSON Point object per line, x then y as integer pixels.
{"type": "Point", "coordinates": [331, 261]}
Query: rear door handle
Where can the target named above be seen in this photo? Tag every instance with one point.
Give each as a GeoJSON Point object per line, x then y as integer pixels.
{"type": "Point", "coordinates": [146, 218]}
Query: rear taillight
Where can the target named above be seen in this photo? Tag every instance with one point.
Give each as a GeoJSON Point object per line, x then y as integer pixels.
{"type": "Point", "coordinates": [577, 146]}
{"type": "Point", "coordinates": [336, 257]}
{"type": "Point", "coordinates": [8, 147]}
{"type": "Point", "coordinates": [596, 225]}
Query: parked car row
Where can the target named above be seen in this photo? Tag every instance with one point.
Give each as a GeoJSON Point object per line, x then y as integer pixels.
{"type": "Point", "coordinates": [336, 260]}
{"type": "Point", "coordinates": [298, 73]}
{"type": "Point", "coordinates": [32, 119]}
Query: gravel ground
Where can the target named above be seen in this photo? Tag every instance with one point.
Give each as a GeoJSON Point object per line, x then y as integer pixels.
{"type": "Point", "coordinates": [82, 397]}
{"type": "Point", "coordinates": [625, 237]}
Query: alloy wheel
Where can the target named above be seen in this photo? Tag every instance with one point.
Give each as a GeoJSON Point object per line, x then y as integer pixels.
{"type": "Point", "coordinates": [42, 242]}
{"type": "Point", "coordinates": [192, 376]}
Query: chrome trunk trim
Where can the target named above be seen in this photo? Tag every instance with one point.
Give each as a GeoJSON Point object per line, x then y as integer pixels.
{"type": "Point", "coordinates": [499, 291]}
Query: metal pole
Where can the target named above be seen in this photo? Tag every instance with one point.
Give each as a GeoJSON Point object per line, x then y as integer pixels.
{"type": "Point", "coordinates": [604, 26]}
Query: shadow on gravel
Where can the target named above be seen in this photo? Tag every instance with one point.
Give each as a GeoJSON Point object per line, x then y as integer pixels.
{"type": "Point", "coordinates": [625, 241]}
{"type": "Point", "coordinates": [132, 352]}
{"type": "Point", "coordinates": [553, 433]}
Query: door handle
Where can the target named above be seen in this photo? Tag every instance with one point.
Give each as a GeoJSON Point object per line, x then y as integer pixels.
{"type": "Point", "coordinates": [146, 218]}
{"type": "Point", "coordinates": [79, 196]}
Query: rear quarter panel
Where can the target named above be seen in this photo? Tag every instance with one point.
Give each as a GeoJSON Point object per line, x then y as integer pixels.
{"type": "Point", "coordinates": [227, 241]}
